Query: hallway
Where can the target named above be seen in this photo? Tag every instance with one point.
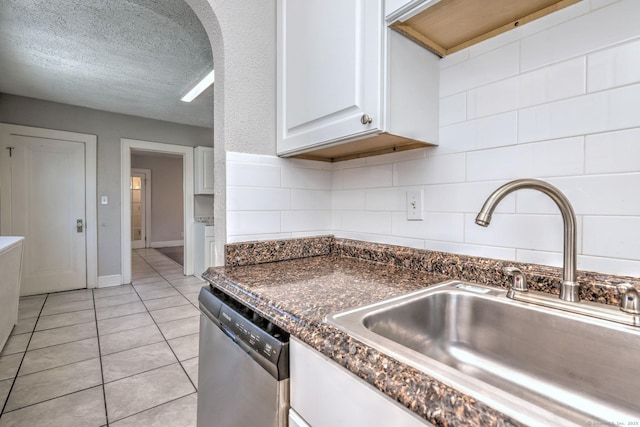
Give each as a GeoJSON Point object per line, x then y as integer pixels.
{"type": "Point", "coordinates": [117, 356]}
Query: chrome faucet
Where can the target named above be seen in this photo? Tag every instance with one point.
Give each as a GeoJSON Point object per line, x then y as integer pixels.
{"type": "Point", "coordinates": [570, 289]}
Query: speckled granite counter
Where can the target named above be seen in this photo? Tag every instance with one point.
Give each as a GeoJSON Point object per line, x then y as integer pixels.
{"type": "Point", "coordinates": [296, 283]}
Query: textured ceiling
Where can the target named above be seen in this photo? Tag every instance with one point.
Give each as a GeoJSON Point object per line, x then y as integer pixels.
{"type": "Point", "coordinates": [133, 57]}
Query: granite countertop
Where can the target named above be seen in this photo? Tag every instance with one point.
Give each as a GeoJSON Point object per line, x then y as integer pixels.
{"type": "Point", "coordinates": [296, 283]}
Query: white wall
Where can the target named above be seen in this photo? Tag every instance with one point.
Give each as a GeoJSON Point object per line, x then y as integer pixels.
{"type": "Point", "coordinates": [243, 42]}
{"type": "Point", "coordinates": [556, 99]}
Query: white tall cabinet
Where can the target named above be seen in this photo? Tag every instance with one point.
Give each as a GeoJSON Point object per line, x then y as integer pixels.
{"type": "Point", "coordinates": [204, 244]}
{"type": "Point", "coordinates": [343, 76]}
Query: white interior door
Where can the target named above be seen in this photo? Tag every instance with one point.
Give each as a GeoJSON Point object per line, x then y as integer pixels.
{"type": "Point", "coordinates": [140, 204]}
{"type": "Point", "coordinates": [43, 199]}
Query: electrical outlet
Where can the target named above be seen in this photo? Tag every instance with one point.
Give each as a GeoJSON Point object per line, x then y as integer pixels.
{"type": "Point", "coordinates": [414, 205]}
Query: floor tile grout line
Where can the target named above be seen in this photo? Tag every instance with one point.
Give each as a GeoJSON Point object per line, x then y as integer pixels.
{"type": "Point", "coordinates": [177, 362]}
{"type": "Point", "coordinates": [104, 392]}
{"type": "Point", "coordinates": [97, 337]}
{"type": "Point", "coordinates": [172, 350]}
{"type": "Point", "coordinates": [65, 312]}
{"type": "Point", "coordinates": [59, 366]}
{"type": "Point", "coordinates": [53, 398]}
{"type": "Point", "coordinates": [132, 348]}
{"type": "Point", "coordinates": [156, 406]}
{"type": "Point", "coordinates": [15, 377]}
{"type": "Point", "coordinates": [63, 326]}
{"type": "Point", "coordinates": [62, 343]}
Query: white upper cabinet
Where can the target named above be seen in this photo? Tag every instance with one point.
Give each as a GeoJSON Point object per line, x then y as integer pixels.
{"type": "Point", "coordinates": [203, 179]}
{"type": "Point", "coordinates": [394, 9]}
{"type": "Point", "coordinates": [341, 75]}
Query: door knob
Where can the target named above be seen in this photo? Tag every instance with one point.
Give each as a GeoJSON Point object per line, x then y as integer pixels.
{"type": "Point", "coordinates": [79, 226]}
{"type": "Point", "coordinates": [366, 119]}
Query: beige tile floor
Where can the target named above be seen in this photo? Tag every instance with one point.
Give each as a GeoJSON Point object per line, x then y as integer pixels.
{"type": "Point", "coordinates": [118, 356]}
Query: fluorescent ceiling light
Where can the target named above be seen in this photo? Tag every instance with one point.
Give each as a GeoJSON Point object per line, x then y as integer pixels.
{"type": "Point", "coordinates": [199, 88]}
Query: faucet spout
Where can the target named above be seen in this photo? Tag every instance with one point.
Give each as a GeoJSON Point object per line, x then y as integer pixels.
{"type": "Point", "coordinates": [569, 290]}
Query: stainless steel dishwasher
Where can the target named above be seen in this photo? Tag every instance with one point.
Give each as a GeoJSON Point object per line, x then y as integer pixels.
{"type": "Point", "coordinates": [243, 370]}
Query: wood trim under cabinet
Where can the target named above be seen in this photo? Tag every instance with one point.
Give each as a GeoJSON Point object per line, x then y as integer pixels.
{"type": "Point", "coordinates": [464, 17]}
{"type": "Point", "coordinates": [383, 143]}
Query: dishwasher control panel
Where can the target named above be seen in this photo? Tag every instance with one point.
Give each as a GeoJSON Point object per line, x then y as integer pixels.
{"type": "Point", "coordinates": [256, 335]}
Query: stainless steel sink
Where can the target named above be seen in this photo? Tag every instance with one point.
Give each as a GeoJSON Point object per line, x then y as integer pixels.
{"type": "Point", "coordinates": [541, 366]}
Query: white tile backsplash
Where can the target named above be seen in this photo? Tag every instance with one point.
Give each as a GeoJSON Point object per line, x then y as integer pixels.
{"type": "Point", "coordinates": [387, 199]}
{"type": "Point", "coordinates": [622, 267]}
{"type": "Point", "coordinates": [260, 199]}
{"type": "Point", "coordinates": [348, 200]}
{"type": "Point", "coordinates": [487, 132]}
{"type": "Point", "coordinates": [310, 199]}
{"type": "Point", "coordinates": [431, 170]}
{"type": "Point", "coordinates": [367, 222]}
{"type": "Point", "coordinates": [472, 250]}
{"type": "Point", "coordinates": [538, 232]}
{"type": "Point", "coordinates": [310, 179]}
{"type": "Point", "coordinates": [556, 99]}
{"type": "Point", "coordinates": [368, 177]}
{"type": "Point", "coordinates": [300, 221]}
{"type": "Point", "coordinates": [489, 67]}
{"type": "Point", "coordinates": [612, 236]}
{"type": "Point", "coordinates": [617, 66]}
{"type": "Point", "coordinates": [464, 197]}
{"type": "Point", "coordinates": [270, 197]}
{"type": "Point", "coordinates": [494, 98]}
{"type": "Point", "coordinates": [554, 259]}
{"type": "Point", "coordinates": [453, 109]}
{"type": "Point", "coordinates": [589, 195]}
{"type": "Point", "coordinates": [613, 152]}
{"type": "Point", "coordinates": [593, 113]}
{"type": "Point", "coordinates": [252, 222]}
{"type": "Point", "coordinates": [435, 226]}
{"type": "Point", "coordinates": [543, 159]}
{"type": "Point", "coordinates": [251, 174]}
{"type": "Point", "coordinates": [559, 81]}
{"type": "Point", "coordinates": [582, 35]}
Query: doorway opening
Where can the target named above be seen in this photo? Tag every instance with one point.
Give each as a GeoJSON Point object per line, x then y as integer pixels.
{"type": "Point", "coordinates": [140, 188]}
{"type": "Point", "coordinates": [184, 153]}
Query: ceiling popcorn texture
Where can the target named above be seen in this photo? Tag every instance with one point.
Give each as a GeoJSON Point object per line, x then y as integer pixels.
{"type": "Point", "coordinates": [136, 57]}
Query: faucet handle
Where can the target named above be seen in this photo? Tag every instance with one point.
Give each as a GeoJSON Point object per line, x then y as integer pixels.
{"type": "Point", "coordinates": [629, 301]}
{"type": "Point", "coordinates": [519, 282]}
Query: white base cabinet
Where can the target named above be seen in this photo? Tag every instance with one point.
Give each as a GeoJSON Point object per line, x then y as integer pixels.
{"type": "Point", "coordinates": [324, 394]}
{"type": "Point", "coordinates": [11, 268]}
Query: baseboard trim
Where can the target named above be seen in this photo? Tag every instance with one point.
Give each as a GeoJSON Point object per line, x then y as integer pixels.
{"type": "Point", "coordinates": [106, 281]}
{"type": "Point", "coordinates": [167, 244]}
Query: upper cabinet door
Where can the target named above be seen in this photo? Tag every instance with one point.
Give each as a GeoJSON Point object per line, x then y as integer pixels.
{"type": "Point", "coordinates": [329, 71]}
{"type": "Point", "coordinates": [203, 171]}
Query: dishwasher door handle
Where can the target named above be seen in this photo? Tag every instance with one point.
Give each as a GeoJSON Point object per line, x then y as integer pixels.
{"type": "Point", "coordinates": [228, 332]}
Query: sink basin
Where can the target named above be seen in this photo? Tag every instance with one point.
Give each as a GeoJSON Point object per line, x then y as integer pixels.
{"type": "Point", "coordinates": [538, 365]}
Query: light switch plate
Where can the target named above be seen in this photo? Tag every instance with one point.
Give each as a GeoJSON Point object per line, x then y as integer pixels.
{"type": "Point", "coordinates": [104, 200]}
{"type": "Point", "coordinates": [414, 205]}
